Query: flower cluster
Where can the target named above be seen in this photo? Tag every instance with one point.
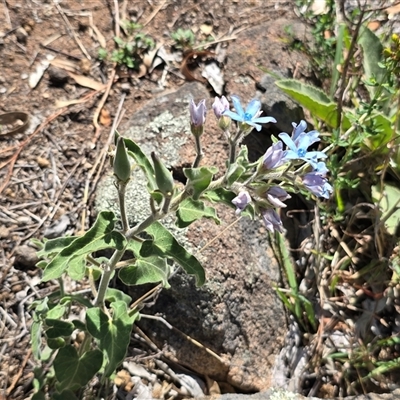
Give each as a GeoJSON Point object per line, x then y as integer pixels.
{"type": "Point", "coordinates": [276, 164]}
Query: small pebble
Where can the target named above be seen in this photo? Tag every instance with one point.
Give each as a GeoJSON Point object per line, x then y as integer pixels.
{"type": "Point", "coordinates": [43, 162]}
{"type": "Point", "coordinates": [21, 35]}
{"type": "Point", "coordinates": [57, 77]}
{"type": "Point", "coordinates": [25, 257]}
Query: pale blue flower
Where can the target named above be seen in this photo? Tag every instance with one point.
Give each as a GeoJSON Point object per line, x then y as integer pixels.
{"type": "Point", "coordinates": [317, 184]}
{"type": "Point", "coordinates": [252, 114]}
{"type": "Point", "coordinates": [241, 201]}
{"type": "Point", "coordinates": [299, 143]}
{"type": "Point", "coordinates": [273, 156]}
{"type": "Point", "coordinates": [299, 129]}
{"type": "Point", "coordinates": [272, 220]}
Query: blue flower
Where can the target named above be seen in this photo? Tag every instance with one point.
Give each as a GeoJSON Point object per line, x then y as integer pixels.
{"type": "Point", "coordinates": [317, 184]}
{"type": "Point", "coordinates": [271, 220]}
{"type": "Point", "coordinates": [299, 143]}
{"type": "Point", "coordinates": [252, 114]}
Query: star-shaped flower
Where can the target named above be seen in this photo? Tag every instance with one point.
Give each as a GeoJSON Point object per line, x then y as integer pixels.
{"type": "Point", "coordinates": [252, 114]}
{"type": "Point", "coordinates": [299, 143]}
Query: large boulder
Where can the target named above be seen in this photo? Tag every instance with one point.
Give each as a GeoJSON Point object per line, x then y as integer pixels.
{"type": "Point", "coordinates": [237, 313]}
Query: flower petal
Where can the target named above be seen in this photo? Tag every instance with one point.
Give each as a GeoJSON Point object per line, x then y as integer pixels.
{"type": "Point", "coordinates": [238, 107]}
{"type": "Point", "coordinates": [288, 141]}
{"type": "Point", "coordinates": [264, 120]}
{"type": "Point", "coordinates": [253, 107]}
{"type": "Point", "coordinates": [298, 129]}
{"type": "Point", "coordinates": [233, 115]}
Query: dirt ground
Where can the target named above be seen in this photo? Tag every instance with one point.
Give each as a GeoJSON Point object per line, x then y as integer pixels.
{"type": "Point", "coordinates": [58, 104]}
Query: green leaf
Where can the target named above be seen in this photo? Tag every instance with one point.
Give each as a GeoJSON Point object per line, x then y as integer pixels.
{"type": "Point", "coordinates": [151, 269]}
{"type": "Point", "coordinates": [383, 125]}
{"type": "Point", "coordinates": [57, 328]}
{"type": "Point", "coordinates": [73, 257]}
{"type": "Point", "coordinates": [315, 100]}
{"type": "Point", "coordinates": [144, 163]}
{"type": "Point", "coordinates": [64, 395]}
{"type": "Point", "coordinates": [113, 334]}
{"type": "Point", "coordinates": [164, 244]}
{"type": "Point", "coordinates": [372, 56]}
{"type": "Point", "coordinates": [36, 338]}
{"type": "Point", "coordinates": [191, 210]}
{"type": "Point", "coordinates": [54, 246]}
{"type": "Point", "coordinates": [389, 205]}
{"type": "Point", "coordinates": [73, 372]}
{"type": "Point", "coordinates": [235, 171]}
{"type": "Point", "coordinates": [56, 311]}
{"type": "Point", "coordinates": [113, 295]}
{"type": "Point", "coordinates": [199, 179]}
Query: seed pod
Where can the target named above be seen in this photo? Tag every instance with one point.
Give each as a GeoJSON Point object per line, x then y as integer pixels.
{"type": "Point", "coordinates": [164, 179]}
{"type": "Point", "coordinates": [122, 166]}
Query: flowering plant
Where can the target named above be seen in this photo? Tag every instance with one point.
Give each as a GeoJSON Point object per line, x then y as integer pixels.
{"type": "Point", "coordinates": [105, 318]}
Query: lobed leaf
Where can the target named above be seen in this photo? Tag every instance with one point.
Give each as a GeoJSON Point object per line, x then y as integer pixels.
{"type": "Point", "coordinates": [58, 328]}
{"type": "Point", "coordinates": [73, 257]}
{"type": "Point", "coordinates": [152, 269]}
{"type": "Point", "coordinates": [199, 179]}
{"type": "Point", "coordinates": [74, 372]}
{"type": "Point", "coordinates": [113, 333]}
{"type": "Point", "coordinates": [191, 210]}
{"type": "Point", "coordinates": [164, 244]}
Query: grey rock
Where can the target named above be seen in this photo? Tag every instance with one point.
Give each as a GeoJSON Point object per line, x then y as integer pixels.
{"type": "Point", "coordinates": [279, 105]}
{"type": "Point", "coordinates": [236, 314]}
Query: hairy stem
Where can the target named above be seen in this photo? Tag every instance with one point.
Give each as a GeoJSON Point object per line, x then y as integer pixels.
{"type": "Point", "coordinates": [199, 151]}
{"type": "Point", "coordinates": [122, 205]}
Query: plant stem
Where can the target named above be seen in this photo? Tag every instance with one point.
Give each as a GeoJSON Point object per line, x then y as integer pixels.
{"type": "Point", "coordinates": [106, 277]}
{"type": "Point", "coordinates": [199, 152]}
{"type": "Point", "coordinates": [232, 151]}
{"type": "Point", "coordinates": [122, 206]}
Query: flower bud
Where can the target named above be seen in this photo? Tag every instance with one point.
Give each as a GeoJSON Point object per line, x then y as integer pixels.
{"type": "Point", "coordinates": [122, 165]}
{"type": "Point", "coordinates": [224, 122]}
{"type": "Point", "coordinates": [241, 201]}
{"type": "Point", "coordinates": [197, 117]}
{"type": "Point", "coordinates": [164, 179]}
{"type": "Point", "coordinates": [219, 106]}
